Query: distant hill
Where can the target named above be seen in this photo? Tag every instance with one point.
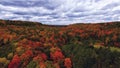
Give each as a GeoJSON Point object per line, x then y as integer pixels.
{"type": "Point", "coordinates": [19, 23]}
{"type": "Point", "coordinates": [30, 23]}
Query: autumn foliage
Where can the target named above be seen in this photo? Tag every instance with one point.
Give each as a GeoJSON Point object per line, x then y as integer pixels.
{"type": "Point", "coordinates": [15, 62]}
{"type": "Point", "coordinates": [68, 63]}
{"type": "Point", "coordinates": [29, 44]}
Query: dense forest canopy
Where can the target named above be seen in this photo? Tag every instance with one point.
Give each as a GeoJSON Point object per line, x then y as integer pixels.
{"type": "Point", "coordinates": [26, 44]}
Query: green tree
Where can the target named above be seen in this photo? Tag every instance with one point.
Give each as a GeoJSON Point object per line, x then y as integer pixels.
{"type": "Point", "coordinates": [32, 64]}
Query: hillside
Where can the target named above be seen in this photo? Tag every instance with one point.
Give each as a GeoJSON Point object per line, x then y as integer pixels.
{"type": "Point", "coordinates": [26, 44]}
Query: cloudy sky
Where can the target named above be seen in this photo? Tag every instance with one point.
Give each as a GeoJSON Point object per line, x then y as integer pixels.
{"type": "Point", "coordinates": [61, 12]}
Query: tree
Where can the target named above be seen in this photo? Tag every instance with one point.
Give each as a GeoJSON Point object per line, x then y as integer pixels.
{"type": "Point", "coordinates": [57, 56]}
{"type": "Point", "coordinates": [68, 63]}
{"type": "Point", "coordinates": [15, 62]}
{"type": "Point", "coordinates": [32, 64]}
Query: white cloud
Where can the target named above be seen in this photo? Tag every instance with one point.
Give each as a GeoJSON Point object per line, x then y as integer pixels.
{"type": "Point", "coordinates": [61, 11]}
{"type": "Point", "coordinates": [24, 9]}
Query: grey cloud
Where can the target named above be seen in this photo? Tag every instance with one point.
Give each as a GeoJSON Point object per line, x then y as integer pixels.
{"type": "Point", "coordinates": [61, 11]}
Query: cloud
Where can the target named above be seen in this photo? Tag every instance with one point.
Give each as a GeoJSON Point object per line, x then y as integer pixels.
{"type": "Point", "coordinates": [61, 12]}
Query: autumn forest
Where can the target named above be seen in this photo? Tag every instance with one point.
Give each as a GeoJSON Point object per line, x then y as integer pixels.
{"type": "Point", "coordinates": [26, 44]}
